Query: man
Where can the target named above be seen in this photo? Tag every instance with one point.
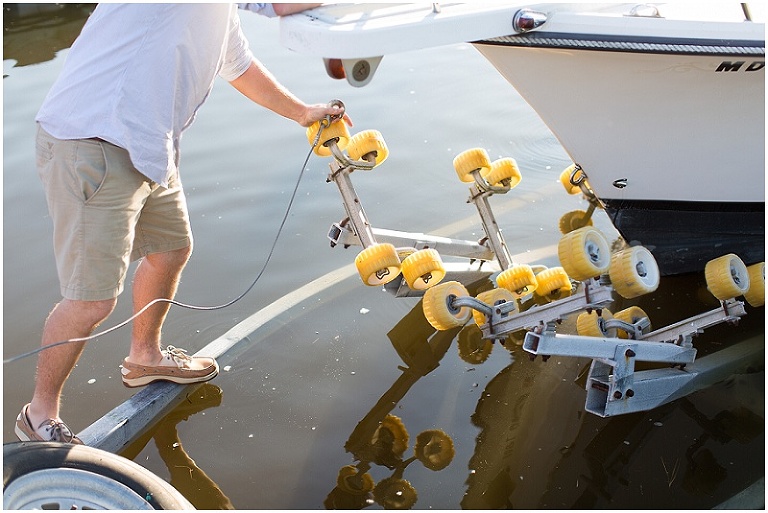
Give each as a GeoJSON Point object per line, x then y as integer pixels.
{"type": "Point", "coordinates": [108, 156]}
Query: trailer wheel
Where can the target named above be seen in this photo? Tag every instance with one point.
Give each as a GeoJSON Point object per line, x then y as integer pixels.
{"type": "Point", "coordinates": [574, 220]}
{"type": "Point", "coordinates": [434, 449]}
{"type": "Point", "coordinates": [395, 493]}
{"type": "Point", "coordinates": [553, 283]}
{"type": "Point", "coordinates": [570, 178]}
{"type": "Point", "coordinates": [336, 131]}
{"type": "Point", "coordinates": [493, 297]}
{"type": "Point", "coordinates": [472, 347]}
{"type": "Point", "coordinates": [630, 315]}
{"type": "Point", "coordinates": [470, 160]}
{"type": "Point", "coordinates": [755, 296]}
{"type": "Point", "coordinates": [368, 142]}
{"type": "Point", "coordinates": [504, 169]}
{"type": "Point", "coordinates": [54, 475]}
{"type": "Point", "coordinates": [423, 269]}
{"type": "Point", "coordinates": [634, 272]}
{"type": "Point", "coordinates": [590, 324]}
{"type": "Point", "coordinates": [727, 277]}
{"type": "Point", "coordinates": [518, 279]}
{"type": "Point", "coordinates": [438, 307]}
{"type": "Point", "coordinates": [584, 253]}
{"type": "Point", "coordinates": [351, 480]}
{"type": "Point", "coordinates": [391, 436]}
{"type": "Point", "coordinates": [378, 264]}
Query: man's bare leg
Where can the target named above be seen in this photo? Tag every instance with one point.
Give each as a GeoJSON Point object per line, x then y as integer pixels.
{"type": "Point", "coordinates": [157, 276]}
{"type": "Point", "coordinates": [68, 319]}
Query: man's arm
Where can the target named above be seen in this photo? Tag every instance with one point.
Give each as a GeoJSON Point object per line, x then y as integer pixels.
{"type": "Point", "coordinates": [272, 10]}
{"type": "Point", "coordinates": [286, 9]}
{"type": "Point", "coordinates": [260, 86]}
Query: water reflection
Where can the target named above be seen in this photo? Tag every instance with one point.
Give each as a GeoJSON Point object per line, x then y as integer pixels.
{"type": "Point", "coordinates": [695, 452]}
{"type": "Point", "coordinates": [33, 33]}
{"type": "Point", "coordinates": [185, 475]}
{"type": "Point", "coordinates": [381, 438]}
{"type": "Point", "coordinates": [538, 448]}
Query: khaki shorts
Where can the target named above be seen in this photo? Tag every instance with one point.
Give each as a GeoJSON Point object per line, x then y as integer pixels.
{"type": "Point", "coordinates": [105, 214]}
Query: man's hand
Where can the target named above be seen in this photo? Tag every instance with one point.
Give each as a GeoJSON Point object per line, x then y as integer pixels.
{"type": "Point", "coordinates": [320, 111]}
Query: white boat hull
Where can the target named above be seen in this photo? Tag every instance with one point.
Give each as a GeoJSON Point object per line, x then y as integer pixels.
{"type": "Point", "coordinates": [673, 144]}
{"type": "Point", "coordinates": [648, 126]}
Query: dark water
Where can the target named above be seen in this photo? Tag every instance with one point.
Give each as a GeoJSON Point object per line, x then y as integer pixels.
{"type": "Point", "coordinates": [301, 397]}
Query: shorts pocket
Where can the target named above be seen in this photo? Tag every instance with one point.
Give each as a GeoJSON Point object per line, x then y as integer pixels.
{"type": "Point", "coordinates": [90, 168]}
{"type": "Point", "coordinates": [43, 151]}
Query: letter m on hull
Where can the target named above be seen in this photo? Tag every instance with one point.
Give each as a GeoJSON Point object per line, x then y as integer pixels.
{"type": "Point", "coordinates": [730, 66]}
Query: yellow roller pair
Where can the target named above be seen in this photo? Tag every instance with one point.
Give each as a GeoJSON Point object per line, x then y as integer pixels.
{"type": "Point", "coordinates": [495, 173]}
{"type": "Point", "coordinates": [380, 263]}
{"type": "Point", "coordinates": [584, 254]}
{"type": "Point", "coordinates": [727, 277]}
{"type": "Point", "coordinates": [442, 314]}
{"type": "Point", "coordinates": [359, 146]}
{"type": "Point", "coordinates": [592, 324]}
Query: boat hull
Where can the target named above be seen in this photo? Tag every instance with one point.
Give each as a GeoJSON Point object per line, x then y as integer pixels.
{"type": "Point", "coordinates": [671, 142]}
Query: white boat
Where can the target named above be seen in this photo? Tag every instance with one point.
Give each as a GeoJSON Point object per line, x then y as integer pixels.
{"type": "Point", "coordinates": [661, 105]}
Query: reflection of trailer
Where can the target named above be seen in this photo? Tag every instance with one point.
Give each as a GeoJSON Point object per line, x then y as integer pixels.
{"type": "Point", "coordinates": [585, 282]}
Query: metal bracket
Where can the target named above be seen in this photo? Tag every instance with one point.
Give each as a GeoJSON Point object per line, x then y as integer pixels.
{"type": "Point", "coordinates": [590, 295]}
{"type": "Point", "coordinates": [342, 233]}
{"type": "Point", "coordinates": [613, 386]}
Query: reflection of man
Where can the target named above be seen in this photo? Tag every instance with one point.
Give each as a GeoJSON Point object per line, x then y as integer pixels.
{"type": "Point", "coordinates": [108, 151]}
{"type": "Point", "coordinates": [186, 476]}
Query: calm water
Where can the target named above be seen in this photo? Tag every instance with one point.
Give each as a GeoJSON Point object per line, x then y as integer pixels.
{"type": "Point", "coordinates": [300, 398]}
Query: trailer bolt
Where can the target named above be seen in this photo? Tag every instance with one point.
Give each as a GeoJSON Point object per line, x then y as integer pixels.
{"type": "Point", "coordinates": [630, 393]}
{"type": "Point", "coordinates": [617, 395]}
{"type": "Point", "coordinates": [629, 353]}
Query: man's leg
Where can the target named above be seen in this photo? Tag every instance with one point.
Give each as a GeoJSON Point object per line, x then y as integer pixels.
{"type": "Point", "coordinates": [69, 319]}
{"type": "Point", "coordinates": [157, 276]}
{"type": "Point", "coordinates": [164, 240]}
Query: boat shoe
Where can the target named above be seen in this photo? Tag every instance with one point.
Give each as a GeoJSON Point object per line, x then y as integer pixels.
{"type": "Point", "coordinates": [55, 430]}
{"type": "Point", "coordinates": [176, 366]}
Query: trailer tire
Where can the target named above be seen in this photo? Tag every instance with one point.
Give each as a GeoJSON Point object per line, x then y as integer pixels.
{"type": "Point", "coordinates": [366, 143]}
{"type": "Point", "coordinates": [23, 462]}
{"type": "Point", "coordinates": [470, 160]}
{"type": "Point", "coordinates": [423, 269]}
{"type": "Point", "coordinates": [553, 284]}
{"type": "Point", "coordinates": [755, 296]}
{"type": "Point", "coordinates": [335, 131]}
{"type": "Point", "coordinates": [584, 253]}
{"type": "Point", "coordinates": [378, 264]}
{"type": "Point", "coordinates": [590, 324]}
{"type": "Point", "coordinates": [518, 279]}
{"type": "Point", "coordinates": [726, 277]}
{"type": "Point", "coordinates": [439, 313]}
{"type": "Point", "coordinates": [504, 169]}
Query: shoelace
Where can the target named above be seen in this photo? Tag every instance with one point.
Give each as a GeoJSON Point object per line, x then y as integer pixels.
{"type": "Point", "coordinates": [178, 354]}
{"type": "Point", "coordinates": [58, 431]}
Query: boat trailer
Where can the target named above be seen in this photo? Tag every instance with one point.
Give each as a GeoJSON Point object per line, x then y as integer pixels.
{"type": "Point", "coordinates": [537, 299]}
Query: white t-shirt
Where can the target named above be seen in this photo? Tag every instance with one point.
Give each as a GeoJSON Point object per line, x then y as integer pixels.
{"type": "Point", "coordinates": [138, 73]}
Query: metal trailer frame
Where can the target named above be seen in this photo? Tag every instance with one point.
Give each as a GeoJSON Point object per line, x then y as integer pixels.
{"type": "Point", "coordinates": [613, 386]}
